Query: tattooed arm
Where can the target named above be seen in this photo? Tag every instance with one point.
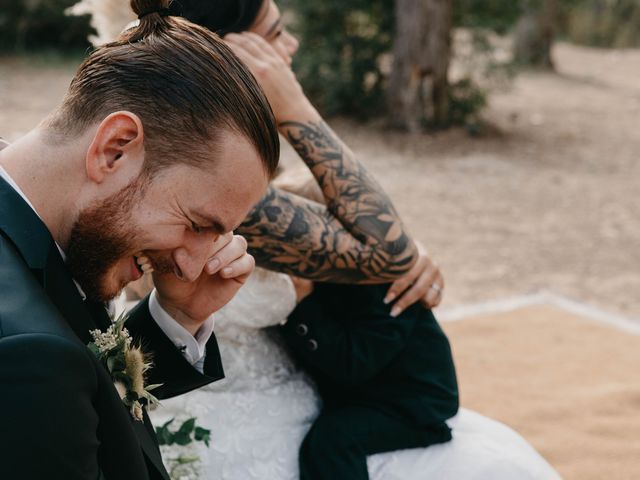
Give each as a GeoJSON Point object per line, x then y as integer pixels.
{"type": "Point", "coordinates": [357, 236]}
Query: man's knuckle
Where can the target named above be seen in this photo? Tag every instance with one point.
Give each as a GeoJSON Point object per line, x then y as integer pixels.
{"type": "Point", "coordinates": [242, 241]}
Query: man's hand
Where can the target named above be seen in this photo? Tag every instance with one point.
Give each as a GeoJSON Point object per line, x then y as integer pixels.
{"type": "Point", "coordinates": [276, 78]}
{"type": "Point", "coordinates": [191, 303]}
{"type": "Point", "coordinates": [424, 283]}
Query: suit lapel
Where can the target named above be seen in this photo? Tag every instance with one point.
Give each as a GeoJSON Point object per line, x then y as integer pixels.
{"type": "Point", "coordinates": [33, 241]}
{"type": "Point", "coordinates": [23, 227]}
{"type": "Point", "coordinates": [63, 292]}
{"type": "Point", "coordinates": [146, 436]}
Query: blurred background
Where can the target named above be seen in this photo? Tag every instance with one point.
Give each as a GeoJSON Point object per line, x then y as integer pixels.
{"type": "Point", "coordinates": [519, 168]}
{"type": "Point", "coordinates": [507, 133]}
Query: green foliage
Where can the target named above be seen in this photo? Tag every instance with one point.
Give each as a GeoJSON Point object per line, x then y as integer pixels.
{"type": "Point", "coordinates": [344, 54]}
{"type": "Point", "coordinates": [495, 15]}
{"type": "Point", "coordinates": [186, 433]}
{"type": "Point", "coordinates": [466, 101]}
{"type": "Point", "coordinates": [604, 23]}
{"type": "Point", "coordinates": [29, 24]}
{"type": "Point", "coordinates": [338, 64]}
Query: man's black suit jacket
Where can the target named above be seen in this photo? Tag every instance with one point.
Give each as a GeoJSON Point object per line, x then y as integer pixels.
{"type": "Point", "coordinates": [60, 415]}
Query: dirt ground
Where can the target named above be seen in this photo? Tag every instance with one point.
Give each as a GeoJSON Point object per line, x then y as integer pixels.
{"type": "Point", "coordinates": [549, 203]}
{"type": "Point", "coordinates": [567, 384]}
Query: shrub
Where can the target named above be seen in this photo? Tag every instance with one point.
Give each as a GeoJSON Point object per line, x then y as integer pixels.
{"type": "Point", "coordinates": [604, 23]}
{"type": "Point", "coordinates": [344, 56]}
{"type": "Point", "coordinates": [342, 44]}
{"type": "Point", "coordinates": [30, 24]}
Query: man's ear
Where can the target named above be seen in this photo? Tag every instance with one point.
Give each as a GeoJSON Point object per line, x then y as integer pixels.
{"type": "Point", "coordinates": [117, 144]}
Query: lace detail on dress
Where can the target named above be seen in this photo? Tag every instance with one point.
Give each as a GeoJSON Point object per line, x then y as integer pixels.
{"type": "Point", "coordinates": [265, 300]}
{"type": "Point", "coordinates": [260, 412]}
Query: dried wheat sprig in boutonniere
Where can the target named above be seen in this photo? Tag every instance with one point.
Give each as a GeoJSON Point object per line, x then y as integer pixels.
{"type": "Point", "coordinates": [125, 363]}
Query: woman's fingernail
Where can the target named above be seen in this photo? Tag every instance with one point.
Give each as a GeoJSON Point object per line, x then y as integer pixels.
{"type": "Point", "coordinates": [227, 271]}
{"type": "Point", "coordinates": [389, 298]}
{"type": "Point", "coordinates": [213, 265]}
{"type": "Point", "coordinates": [395, 311]}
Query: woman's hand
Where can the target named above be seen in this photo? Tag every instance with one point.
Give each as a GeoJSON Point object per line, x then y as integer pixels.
{"type": "Point", "coordinates": [191, 303]}
{"type": "Point", "coordinates": [423, 283]}
{"type": "Point", "coordinates": [276, 78]}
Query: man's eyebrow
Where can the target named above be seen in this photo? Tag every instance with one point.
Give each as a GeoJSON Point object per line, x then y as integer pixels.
{"type": "Point", "coordinates": [273, 27]}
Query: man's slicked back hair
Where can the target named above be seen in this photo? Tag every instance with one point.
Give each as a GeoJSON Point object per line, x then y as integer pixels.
{"type": "Point", "coordinates": [184, 83]}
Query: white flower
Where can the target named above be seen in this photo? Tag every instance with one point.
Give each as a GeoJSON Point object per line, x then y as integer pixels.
{"type": "Point", "coordinates": [109, 340]}
{"type": "Point", "coordinates": [105, 341]}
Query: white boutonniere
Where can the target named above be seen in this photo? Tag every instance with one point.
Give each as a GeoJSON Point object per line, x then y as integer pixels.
{"type": "Point", "coordinates": [126, 364]}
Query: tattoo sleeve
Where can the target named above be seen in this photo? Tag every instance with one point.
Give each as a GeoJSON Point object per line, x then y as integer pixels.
{"type": "Point", "coordinates": [357, 236]}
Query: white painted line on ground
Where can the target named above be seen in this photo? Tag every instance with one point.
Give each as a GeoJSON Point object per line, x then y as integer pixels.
{"type": "Point", "coordinates": [541, 298]}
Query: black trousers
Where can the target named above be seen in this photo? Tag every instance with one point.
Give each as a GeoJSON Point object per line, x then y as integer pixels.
{"type": "Point", "coordinates": [340, 439]}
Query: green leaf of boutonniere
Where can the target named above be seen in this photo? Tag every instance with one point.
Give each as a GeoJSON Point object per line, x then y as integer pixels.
{"type": "Point", "coordinates": [94, 349]}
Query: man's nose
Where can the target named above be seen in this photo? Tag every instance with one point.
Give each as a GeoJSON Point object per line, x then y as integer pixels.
{"type": "Point", "coordinates": [191, 258]}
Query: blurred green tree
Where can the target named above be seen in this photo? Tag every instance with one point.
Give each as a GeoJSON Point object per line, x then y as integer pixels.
{"type": "Point", "coordinates": [29, 24]}
{"type": "Point", "coordinates": [603, 23]}
{"type": "Point", "coordinates": [342, 58]}
{"type": "Point", "coordinates": [495, 15]}
{"type": "Point", "coordinates": [346, 63]}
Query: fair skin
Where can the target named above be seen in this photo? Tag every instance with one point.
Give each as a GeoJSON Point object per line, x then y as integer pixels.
{"type": "Point", "coordinates": [267, 49]}
{"type": "Point", "coordinates": [183, 221]}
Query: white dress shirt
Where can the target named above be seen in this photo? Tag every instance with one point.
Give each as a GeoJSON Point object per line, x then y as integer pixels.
{"type": "Point", "coordinates": [193, 348]}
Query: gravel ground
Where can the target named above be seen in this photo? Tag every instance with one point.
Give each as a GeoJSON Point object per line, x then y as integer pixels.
{"type": "Point", "coordinates": [548, 202]}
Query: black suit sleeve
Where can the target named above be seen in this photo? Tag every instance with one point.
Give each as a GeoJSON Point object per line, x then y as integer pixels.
{"type": "Point", "coordinates": [170, 368]}
{"type": "Point", "coordinates": [346, 332]}
{"type": "Point", "coordinates": [49, 423]}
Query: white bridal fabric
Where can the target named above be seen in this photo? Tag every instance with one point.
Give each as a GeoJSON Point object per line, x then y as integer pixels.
{"type": "Point", "coordinates": [259, 414]}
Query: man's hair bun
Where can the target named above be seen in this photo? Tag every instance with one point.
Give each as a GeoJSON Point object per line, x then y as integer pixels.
{"type": "Point", "coordinates": [151, 14]}
{"type": "Point", "coordinates": [148, 8]}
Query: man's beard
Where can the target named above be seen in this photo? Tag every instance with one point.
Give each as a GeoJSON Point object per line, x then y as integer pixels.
{"type": "Point", "coordinates": [102, 235]}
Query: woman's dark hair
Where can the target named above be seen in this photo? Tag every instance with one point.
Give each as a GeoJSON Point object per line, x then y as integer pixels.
{"type": "Point", "coordinates": [185, 84]}
{"type": "Point", "coordinates": [220, 16]}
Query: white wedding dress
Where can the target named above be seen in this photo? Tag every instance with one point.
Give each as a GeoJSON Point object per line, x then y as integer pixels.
{"type": "Point", "coordinates": [259, 414]}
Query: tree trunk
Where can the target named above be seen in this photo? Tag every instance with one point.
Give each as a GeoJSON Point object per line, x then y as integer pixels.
{"type": "Point", "coordinates": [535, 33]}
{"type": "Point", "coordinates": [418, 84]}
